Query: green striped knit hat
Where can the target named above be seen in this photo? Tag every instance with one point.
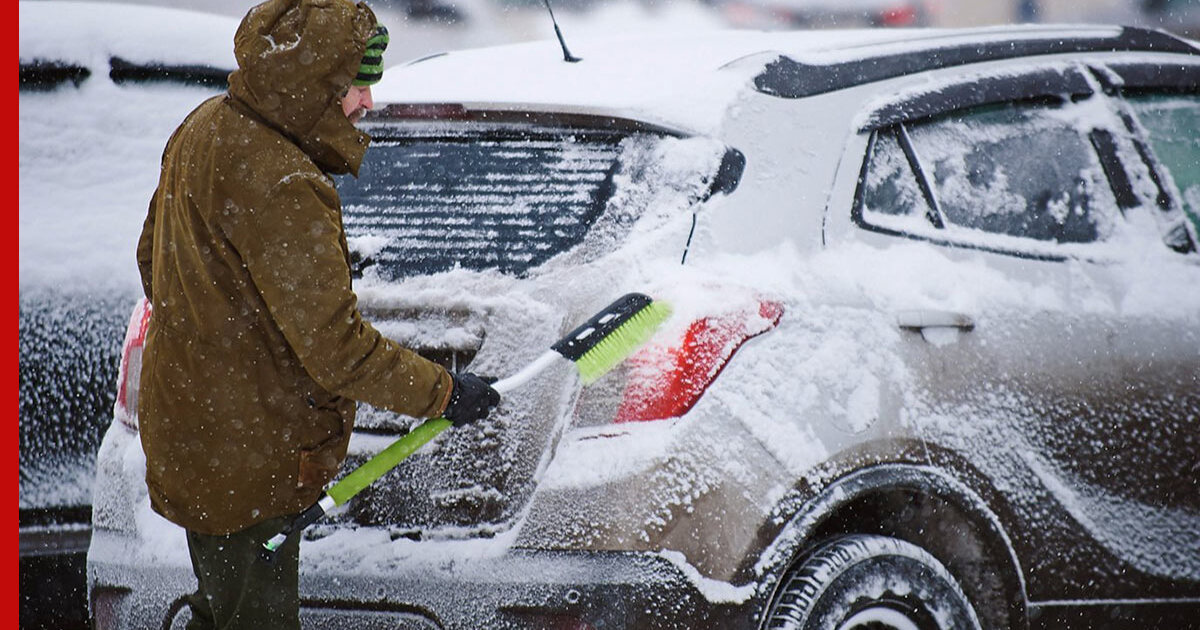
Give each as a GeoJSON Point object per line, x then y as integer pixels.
{"type": "Point", "coordinates": [370, 71]}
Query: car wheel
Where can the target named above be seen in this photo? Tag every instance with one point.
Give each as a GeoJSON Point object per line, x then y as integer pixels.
{"type": "Point", "coordinates": [869, 583]}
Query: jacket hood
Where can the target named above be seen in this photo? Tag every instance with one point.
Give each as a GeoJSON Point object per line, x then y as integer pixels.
{"type": "Point", "coordinates": [295, 60]}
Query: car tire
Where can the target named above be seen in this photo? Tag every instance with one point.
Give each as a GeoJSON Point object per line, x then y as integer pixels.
{"type": "Point", "coordinates": [867, 582]}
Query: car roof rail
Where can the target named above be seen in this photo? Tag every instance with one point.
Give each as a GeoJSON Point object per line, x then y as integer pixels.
{"type": "Point", "coordinates": [787, 78]}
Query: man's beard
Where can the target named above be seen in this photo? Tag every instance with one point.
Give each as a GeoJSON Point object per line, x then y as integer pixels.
{"type": "Point", "coordinates": [357, 115]}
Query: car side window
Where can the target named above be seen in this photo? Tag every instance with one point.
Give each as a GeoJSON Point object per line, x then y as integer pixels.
{"type": "Point", "coordinates": [1171, 122]}
{"type": "Point", "coordinates": [1015, 177]}
{"type": "Point", "coordinates": [1017, 169]}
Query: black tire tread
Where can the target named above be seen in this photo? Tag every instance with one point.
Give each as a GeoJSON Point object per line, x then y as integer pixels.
{"type": "Point", "coordinates": [807, 582]}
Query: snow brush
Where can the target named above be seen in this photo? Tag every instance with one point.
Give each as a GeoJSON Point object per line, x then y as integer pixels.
{"type": "Point", "coordinates": [595, 347]}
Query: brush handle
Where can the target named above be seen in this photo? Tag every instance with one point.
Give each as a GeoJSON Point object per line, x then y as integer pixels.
{"type": "Point", "coordinates": [572, 347]}
{"type": "Point", "coordinates": [535, 367]}
{"type": "Point", "coordinates": [304, 519]}
{"type": "Point", "coordinates": [398, 451]}
{"type": "Point", "coordinates": [577, 343]}
{"type": "Point", "coordinates": [353, 483]}
{"type": "Point", "coordinates": [387, 459]}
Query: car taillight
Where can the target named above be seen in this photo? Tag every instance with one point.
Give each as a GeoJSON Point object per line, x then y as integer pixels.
{"type": "Point", "coordinates": [666, 381]}
{"type": "Point", "coordinates": [130, 373]}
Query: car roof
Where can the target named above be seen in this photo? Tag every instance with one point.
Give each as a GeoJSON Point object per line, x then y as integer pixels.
{"type": "Point", "coordinates": [690, 80]}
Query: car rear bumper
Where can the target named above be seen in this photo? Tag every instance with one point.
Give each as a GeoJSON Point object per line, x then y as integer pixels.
{"type": "Point", "coordinates": [516, 589]}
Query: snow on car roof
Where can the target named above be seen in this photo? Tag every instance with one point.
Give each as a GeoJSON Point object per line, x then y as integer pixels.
{"type": "Point", "coordinates": [89, 33]}
{"type": "Point", "coordinates": [685, 79]}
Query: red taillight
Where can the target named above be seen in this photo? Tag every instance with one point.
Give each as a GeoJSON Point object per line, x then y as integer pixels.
{"type": "Point", "coordinates": [667, 381]}
{"type": "Point", "coordinates": [899, 16]}
{"type": "Point", "coordinates": [130, 373]}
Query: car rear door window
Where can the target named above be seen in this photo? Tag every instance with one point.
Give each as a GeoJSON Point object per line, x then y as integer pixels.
{"type": "Point", "coordinates": [1025, 177]}
{"type": "Point", "coordinates": [1172, 122]}
{"type": "Point", "coordinates": [1021, 170]}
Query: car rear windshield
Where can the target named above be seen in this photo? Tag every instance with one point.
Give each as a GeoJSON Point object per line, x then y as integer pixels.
{"type": "Point", "coordinates": [477, 197]}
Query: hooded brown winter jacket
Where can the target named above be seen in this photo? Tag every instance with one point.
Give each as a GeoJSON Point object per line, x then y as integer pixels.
{"type": "Point", "coordinates": [256, 350]}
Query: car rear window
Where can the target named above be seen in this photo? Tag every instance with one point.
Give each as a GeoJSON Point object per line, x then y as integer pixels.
{"type": "Point", "coordinates": [483, 198]}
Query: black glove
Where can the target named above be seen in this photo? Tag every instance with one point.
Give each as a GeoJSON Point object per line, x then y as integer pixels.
{"type": "Point", "coordinates": [471, 399]}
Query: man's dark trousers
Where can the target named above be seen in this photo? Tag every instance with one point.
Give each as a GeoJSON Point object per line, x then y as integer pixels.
{"type": "Point", "coordinates": [237, 590]}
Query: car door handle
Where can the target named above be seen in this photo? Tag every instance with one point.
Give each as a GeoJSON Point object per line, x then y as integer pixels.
{"type": "Point", "coordinates": [920, 319]}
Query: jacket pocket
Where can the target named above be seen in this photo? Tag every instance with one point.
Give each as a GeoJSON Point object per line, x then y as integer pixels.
{"type": "Point", "coordinates": [330, 420]}
{"type": "Point", "coordinates": [319, 464]}
{"type": "Point", "coordinates": [317, 467]}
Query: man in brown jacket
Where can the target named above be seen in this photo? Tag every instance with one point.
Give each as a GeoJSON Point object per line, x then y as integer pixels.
{"type": "Point", "coordinates": [256, 350]}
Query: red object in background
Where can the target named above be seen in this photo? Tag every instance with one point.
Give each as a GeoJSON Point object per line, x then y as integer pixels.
{"type": "Point", "coordinates": [899, 16]}
{"type": "Point", "coordinates": [667, 383]}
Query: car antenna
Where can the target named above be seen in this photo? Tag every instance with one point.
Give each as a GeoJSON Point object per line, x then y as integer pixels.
{"type": "Point", "coordinates": [567, 56]}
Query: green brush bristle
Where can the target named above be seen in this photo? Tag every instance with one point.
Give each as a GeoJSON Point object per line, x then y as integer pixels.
{"type": "Point", "coordinates": [622, 342]}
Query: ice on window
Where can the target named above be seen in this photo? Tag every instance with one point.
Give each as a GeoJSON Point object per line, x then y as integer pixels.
{"type": "Point", "coordinates": [1016, 170]}
{"type": "Point", "coordinates": [891, 187]}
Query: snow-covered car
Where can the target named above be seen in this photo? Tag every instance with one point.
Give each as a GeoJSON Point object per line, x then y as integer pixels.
{"type": "Point", "coordinates": [933, 362]}
{"type": "Point", "coordinates": [101, 88]}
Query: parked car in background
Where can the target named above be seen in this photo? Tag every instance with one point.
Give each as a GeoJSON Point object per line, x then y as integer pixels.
{"type": "Point", "coordinates": [436, 11]}
{"type": "Point", "coordinates": [934, 357]}
{"type": "Point", "coordinates": [101, 88]}
{"type": "Point", "coordinates": [794, 14]}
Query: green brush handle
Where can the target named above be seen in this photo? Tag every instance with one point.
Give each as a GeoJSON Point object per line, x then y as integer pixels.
{"type": "Point", "coordinates": [397, 451]}
{"type": "Point", "coordinates": [595, 347]}
{"type": "Point", "coordinates": [353, 483]}
{"type": "Point", "coordinates": [386, 460]}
